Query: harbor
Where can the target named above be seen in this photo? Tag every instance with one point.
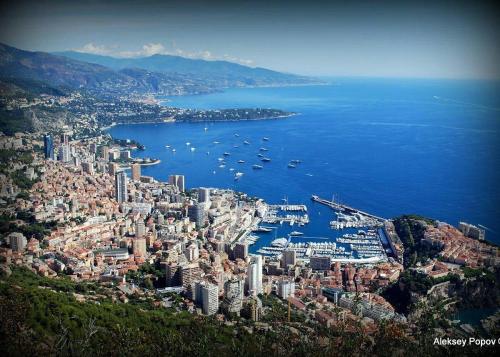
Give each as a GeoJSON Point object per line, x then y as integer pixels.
{"type": "Point", "coordinates": [360, 242]}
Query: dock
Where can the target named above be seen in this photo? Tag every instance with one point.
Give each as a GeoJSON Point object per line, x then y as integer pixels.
{"type": "Point", "coordinates": [345, 208]}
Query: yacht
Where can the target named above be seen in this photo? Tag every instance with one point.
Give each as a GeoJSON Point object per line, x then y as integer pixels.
{"type": "Point", "coordinates": [296, 233]}
{"type": "Point", "coordinates": [265, 159]}
{"type": "Point", "coordinates": [262, 229]}
{"type": "Point", "coordinates": [257, 167]}
{"type": "Point", "coordinates": [292, 166]}
{"type": "Point", "coordinates": [193, 149]}
{"type": "Point", "coordinates": [216, 142]}
{"type": "Point", "coordinates": [173, 150]}
{"type": "Point", "coordinates": [260, 155]}
{"type": "Point", "coordinates": [206, 128]}
{"type": "Point", "coordinates": [188, 143]}
{"type": "Point", "coordinates": [279, 243]}
{"type": "Point", "coordinates": [265, 139]}
{"type": "Point", "coordinates": [167, 146]}
{"type": "Point", "coordinates": [236, 134]}
{"type": "Point", "coordinates": [241, 161]}
{"type": "Point", "coordinates": [263, 149]}
{"type": "Point", "coordinates": [295, 161]}
{"type": "Point", "coordinates": [226, 154]}
{"type": "Point", "coordinates": [246, 142]}
{"type": "Point", "coordinates": [222, 166]}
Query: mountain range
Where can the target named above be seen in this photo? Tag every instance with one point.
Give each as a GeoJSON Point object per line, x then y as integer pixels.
{"type": "Point", "coordinates": [157, 74]}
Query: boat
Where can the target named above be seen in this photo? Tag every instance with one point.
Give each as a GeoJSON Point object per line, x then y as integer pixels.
{"type": "Point", "coordinates": [265, 159]}
{"type": "Point", "coordinates": [246, 142]}
{"type": "Point", "coordinates": [173, 150]}
{"type": "Point", "coordinates": [188, 143]}
{"type": "Point", "coordinates": [236, 146]}
{"type": "Point", "coordinates": [231, 169]}
{"type": "Point", "coordinates": [206, 128]}
{"type": "Point", "coordinates": [265, 139]}
{"type": "Point", "coordinates": [226, 154]}
{"type": "Point", "coordinates": [296, 233]}
{"type": "Point", "coordinates": [263, 149]}
{"type": "Point", "coordinates": [222, 166]}
{"type": "Point", "coordinates": [241, 161]}
{"type": "Point", "coordinates": [167, 146]}
{"type": "Point", "coordinates": [236, 134]}
{"type": "Point", "coordinates": [216, 142]}
{"type": "Point", "coordinates": [260, 155]}
{"type": "Point", "coordinates": [262, 229]}
{"type": "Point", "coordinates": [220, 159]}
{"type": "Point", "coordinates": [238, 174]}
{"type": "Point", "coordinates": [295, 161]}
{"type": "Point", "coordinates": [208, 152]}
{"type": "Point", "coordinates": [193, 149]}
{"type": "Point", "coordinates": [279, 243]}
{"type": "Point", "coordinates": [257, 167]}
{"type": "Point", "coordinates": [292, 166]}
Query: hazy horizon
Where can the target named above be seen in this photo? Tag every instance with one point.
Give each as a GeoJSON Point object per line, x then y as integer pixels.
{"type": "Point", "coordinates": [320, 38]}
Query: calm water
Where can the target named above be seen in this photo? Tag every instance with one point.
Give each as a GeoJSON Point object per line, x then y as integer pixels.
{"type": "Point", "coordinates": [388, 147]}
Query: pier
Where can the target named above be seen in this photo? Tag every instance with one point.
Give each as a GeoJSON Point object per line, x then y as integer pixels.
{"type": "Point", "coordinates": [344, 208]}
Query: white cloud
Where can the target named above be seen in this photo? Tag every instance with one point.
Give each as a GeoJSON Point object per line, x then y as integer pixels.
{"type": "Point", "coordinates": [151, 49]}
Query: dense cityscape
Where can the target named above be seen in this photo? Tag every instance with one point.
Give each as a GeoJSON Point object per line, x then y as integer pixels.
{"type": "Point", "coordinates": [109, 246]}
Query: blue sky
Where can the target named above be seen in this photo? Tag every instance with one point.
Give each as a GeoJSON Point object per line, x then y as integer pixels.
{"type": "Point", "coordinates": [439, 39]}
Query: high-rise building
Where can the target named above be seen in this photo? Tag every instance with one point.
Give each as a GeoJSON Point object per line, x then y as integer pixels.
{"type": "Point", "coordinates": [136, 172]}
{"type": "Point", "coordinates": [320, 262]}
{"type": "Point", "coordinates": [210, 298]}
{"type": "Point", "coordinates": [203, 195]}
{"type": "Point", "coordinates": [196, 214]}
{"type": "Point", "coordinates": [88, 168]}
{"type": "Point", "coordinates": [140, 229]}
{"type": "Point", "coordinates": [125, 154]}
{"type": "Point", "coordinates": [65, 139]}
{"type": "Point", "coordinates": [48, 146]}
{"type": "Point", "coordinates": [288, 258]}
{"type": "Point", "coordinates": [112, 168]}
{"type": "Point", "coordinates": [177, 181]}
{"type": "Point", "coordinates": [139, 246]}
{"type": "Point", "coordinates": [254, 275]}
{"type": "Point", "coordinates": [65, 153]}
{"type": "Point", "coordinates": [172, 274]}
{"type": "Point", "coordinates": [17, 241]}
{"type": "Point", "coordinates": [471, 231]}
{"type": "Point", "coordinates": [190, 274]}
{"type": "Point", "coordinates": [240, 251]}
{"type": "Point", "coordinates": [286, 288]}
{"type": "Point", "coordinates": [192, 252]}
{"type": "Point", "coordinates": [105, 153]}
{"type": "Point", "coordinates": [121, 182]}
{"type": "Point", "coordinates": [233, 296]}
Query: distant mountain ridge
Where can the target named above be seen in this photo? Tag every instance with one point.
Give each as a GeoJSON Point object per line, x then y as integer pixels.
{"type": "Point", "coordinates": [182, 65]}
{"type": "Point", "coordinates": [158, 74]}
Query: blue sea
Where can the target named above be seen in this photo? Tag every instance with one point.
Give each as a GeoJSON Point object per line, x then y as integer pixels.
{"type": "Point", "coordinates": [385, 146]}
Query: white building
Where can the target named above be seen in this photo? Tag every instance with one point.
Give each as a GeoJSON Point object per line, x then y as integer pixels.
{"type": "Point", "coordinates": [210, 298]}
{"type": "Point", "coordinates": [286, 289]}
